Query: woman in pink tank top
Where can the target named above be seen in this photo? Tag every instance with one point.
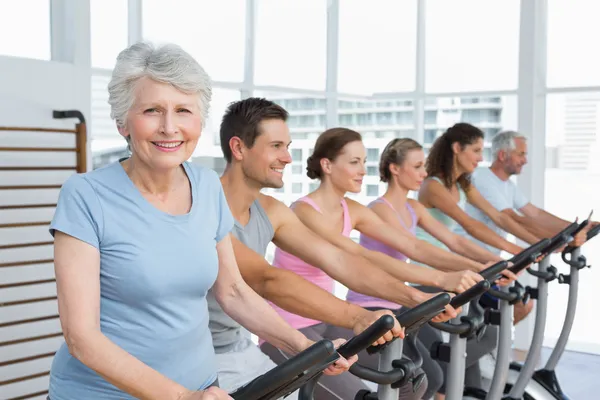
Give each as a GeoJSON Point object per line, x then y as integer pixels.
{"type": "Point", "coordinates": [338, 162]}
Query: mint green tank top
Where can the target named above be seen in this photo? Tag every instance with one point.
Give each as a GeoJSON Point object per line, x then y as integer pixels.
{"type": "Point", "coordinates": [443, 218]}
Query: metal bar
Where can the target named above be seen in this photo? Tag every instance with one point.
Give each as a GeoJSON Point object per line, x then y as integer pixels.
{"type": "Point", "coordinates": [18, 206]}
{"type": "Point", "coordinates": [23, 263]}
{"type": "Point", "coordinates": [25, 359]}
{"type": "Point", "coordinates": [40, 168]}
{"type": "Point", "coordinates": [21, 245]}
{"type": "Point", "coordinates": [29, 187]}
{"type": "Point", "coordinates": [503, 350]}
{"type": "Point", "coordinates": [28, 283]}
{"type": "Point", "coordinates": [49, 149]}
{"type": "Point", "coordinates": [24, 378]}
{"type": "Point", "coordinates": [535, 349]}
{"type": "Point", "coordinates": [24, 224]}
{"type": "Point", "coordinates": [561, 344]}
{"type": "Point", "coordinates": [455, 380]}
{"type": "Point", "coordinates": [25, 129]}
{"type": "Point", "coordinates": [29, 396]}
{"type": "Point", "coordinates": [28, 301]}
{"type": "Point", "coordinates": [31, 339]}
{"type": "Point", "coordinates": [392, 352]}
{"type": "Point", "coordinates": [28, 321]}
{"type": "Point", "coordinates": [82, 161]}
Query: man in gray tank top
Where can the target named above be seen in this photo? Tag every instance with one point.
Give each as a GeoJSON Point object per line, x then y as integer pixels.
{"type": "Point", "coordinates": [254, 140]}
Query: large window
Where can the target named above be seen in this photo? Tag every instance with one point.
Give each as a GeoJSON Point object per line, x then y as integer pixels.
{"type": "Point", "coordinates": [471, 45]}
{"type": "Point", "coordinates": [108, 31]}
{"type": "Point", "coordinates": [211, 31]}
{"type": "Point", "coordinates": [291, 43]}
{"type": "Point", "coordinates": [570, 63]}
{"type": "Point", "coordinates": [491, 114]}
{"type": "Point", "coordinates": [571, 191]}
{"type": "Point", "coordinates": [377, 46]}
{"type": "Point", "coordinates": [25, 29]}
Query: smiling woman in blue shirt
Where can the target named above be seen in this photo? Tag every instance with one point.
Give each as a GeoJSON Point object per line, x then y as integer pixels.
{"type": "Point", "coordinates": [139, 242]}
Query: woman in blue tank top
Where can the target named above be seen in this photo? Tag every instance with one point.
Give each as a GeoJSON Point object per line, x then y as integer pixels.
{"type": "Point", "coordinates": [452, 159]}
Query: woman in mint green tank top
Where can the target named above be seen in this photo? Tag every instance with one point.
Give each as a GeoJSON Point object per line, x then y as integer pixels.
{"type": "Point", "coordinates": [452, 159]}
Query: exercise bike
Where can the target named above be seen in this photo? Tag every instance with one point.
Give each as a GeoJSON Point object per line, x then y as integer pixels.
{"type": "Point", "coordinates": [303, 370]}
{"type": "Point", "coordinates": [522, 381]}
{"type": "Point", "coordinates": [471, 324]}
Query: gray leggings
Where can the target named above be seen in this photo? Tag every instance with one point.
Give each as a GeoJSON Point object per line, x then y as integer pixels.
{"type": "Point", "coordinates": [346, 385]}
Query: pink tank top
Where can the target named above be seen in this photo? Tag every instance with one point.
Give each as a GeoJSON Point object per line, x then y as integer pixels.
{"type": "Point", "coordinates": [372, 244]}
{"type": "Point", "coordinates": [307, 271]}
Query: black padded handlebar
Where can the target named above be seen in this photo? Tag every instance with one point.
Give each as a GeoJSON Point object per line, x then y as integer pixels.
{"type": "Point", "coordinates": [527, 256]}
{"type": "Point", "coordinates": [367, 337]}
{"type": "Point", "coordinates": [412, 319]}
{"type": "Point", "coordinates": [561, 238]}
{"type": "Point", "coordinates": [278, 380]}
{"type": "Point", "coordinates": [477, 290]}
{"type": "Point", "coordinates": [491, 272]}
{"type": "Point", "coordinates": [591, 233]}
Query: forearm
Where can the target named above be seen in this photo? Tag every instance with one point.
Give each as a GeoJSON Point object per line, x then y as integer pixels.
{"type": "Point", "coordinates": [361, 276]}
{"type": "Point", "coordinates": [297, 295]}
{"type": "Point", "coordinates": [444, 260]}
{"type": "Point", "coordinates": [487, 236]}
{"type": "Point", "coordinates": [121, 369]}
{"type": "Point", "coordinates": [412, 273]}
{"type": "Point", "coordinates": [551, 222]}
{"type": "Point", "coordinates": [467, 248]}
{"type": "Point", "coordinates": [252, 312]}
{"type": "Point", "coordinates": [509, 225]}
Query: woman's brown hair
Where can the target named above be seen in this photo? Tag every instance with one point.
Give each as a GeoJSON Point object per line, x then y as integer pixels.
{"type": "Point", "coordinates": [395, 153]}
{"type": "Point", "coordinates": [440, 161]}
{"type": "Point", "coordinates": [329, 145]}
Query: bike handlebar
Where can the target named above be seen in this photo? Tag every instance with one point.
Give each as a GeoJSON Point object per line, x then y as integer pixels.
{"type": "Point", "coordinates": [413, 319]}
{"type": "Point", "coordinates": [591, 233]}
{"type": "Point", "coordinates": [261, 387]}
{"type": "Point", "coordinates": [477, 290]}
{"type": "Point", "coordinates": [363, 340]}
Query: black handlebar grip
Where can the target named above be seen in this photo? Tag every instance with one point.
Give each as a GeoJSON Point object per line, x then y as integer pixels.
{"type": "Point", "coordinates": [476, 290]}
{"type": "Point", "coordinates": [414, 315]}
{"type": "Point", "coordinates": [593, 232]}
{"type": "Point", "coordinates": [527, 256]}
{"type": "Point", "coordinates": [492, 271]}
{"type": "Point", "coordinates": [561, 238]}
{"type": "Point", "coordinates": [285, 372]}
{"type": "Point", "coordinates": [363, 340]}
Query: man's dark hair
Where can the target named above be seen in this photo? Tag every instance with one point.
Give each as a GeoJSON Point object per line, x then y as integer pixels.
{"type": "Point", "coordinates": [242, 119]}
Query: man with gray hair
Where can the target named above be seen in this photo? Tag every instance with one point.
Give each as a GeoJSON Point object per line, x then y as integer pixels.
{"type": "Point", "coordinates": [509, 155]}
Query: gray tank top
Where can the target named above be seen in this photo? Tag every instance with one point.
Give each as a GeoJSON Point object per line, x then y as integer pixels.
{"type": "Point", "coordinates": [257, 234]}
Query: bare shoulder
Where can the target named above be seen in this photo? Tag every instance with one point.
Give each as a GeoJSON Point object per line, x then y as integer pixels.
{"type": "Point", "coordinates": [276, 210]}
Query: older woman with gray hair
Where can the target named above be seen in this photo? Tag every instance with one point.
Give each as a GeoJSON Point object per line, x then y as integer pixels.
{"type": "Point", "coordinates": [139, 242]}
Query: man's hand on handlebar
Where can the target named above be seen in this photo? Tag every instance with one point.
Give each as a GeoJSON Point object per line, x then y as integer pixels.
{"type": "Point", "coordinates": [212, 393]}
{"type": "Point", "coordinates": [459, 281]}
{"type": "Point", "coordinates": [342, 364]}
{"type": "Point", "coordinates": [368, 318]}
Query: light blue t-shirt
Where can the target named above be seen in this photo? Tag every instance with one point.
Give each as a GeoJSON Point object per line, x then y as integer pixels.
{"type": "Point", "coordinates": [155, 271]}
{"type": "Point", "coordinates": [500, 194]}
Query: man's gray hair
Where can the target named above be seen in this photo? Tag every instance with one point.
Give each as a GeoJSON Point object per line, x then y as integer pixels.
{"type": "Point", "coordinates": [505, 140]}
{"type": "Point", "coordinates": [167, 63]}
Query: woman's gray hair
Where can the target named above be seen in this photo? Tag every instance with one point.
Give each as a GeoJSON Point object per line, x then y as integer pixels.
{"type": "Point", "coordinates": [167, 63]}
{"type": "Point", "coordinates": [505, 141]}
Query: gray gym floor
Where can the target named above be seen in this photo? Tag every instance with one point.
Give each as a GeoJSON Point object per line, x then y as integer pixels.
{"type": "Point", "coordinates": [578, 373]}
